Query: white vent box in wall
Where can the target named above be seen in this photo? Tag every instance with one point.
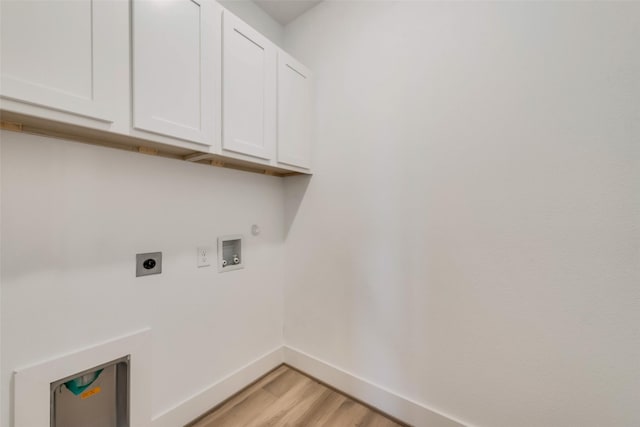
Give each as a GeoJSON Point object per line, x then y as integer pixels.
{"type": "Point", "coordinates": [230, 253]}
{"type": "Point", "coordinates": [97, 397]}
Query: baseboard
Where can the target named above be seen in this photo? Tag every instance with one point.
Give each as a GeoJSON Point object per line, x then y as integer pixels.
{"type": "Point", "coordinates": [374, 395]}
{"type": "Point", "coordinates": [203, 401]}
{"type": "Point", "coordinates": [387, 401]}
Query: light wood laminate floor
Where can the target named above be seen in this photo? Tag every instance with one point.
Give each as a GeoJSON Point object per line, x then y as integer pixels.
{"type": "Point", "coordinates": [285, 397]}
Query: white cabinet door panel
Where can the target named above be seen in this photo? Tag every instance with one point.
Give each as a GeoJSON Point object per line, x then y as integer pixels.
{"type": "Point", "coordinates": [174, 68]}
{"type": "Point", "coordinates": [58, 54]}
{"type": "Point", "coordinates": [248, 90]}
{"type": "Point", "coordinates": [295, 109]}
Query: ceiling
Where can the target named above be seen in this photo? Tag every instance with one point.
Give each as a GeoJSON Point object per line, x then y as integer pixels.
{"type": "Point", "coordinates": [285, 11]}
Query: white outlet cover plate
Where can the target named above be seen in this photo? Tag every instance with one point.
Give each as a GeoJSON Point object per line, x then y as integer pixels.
{"type": "Point", "coordinates": [204, 256]}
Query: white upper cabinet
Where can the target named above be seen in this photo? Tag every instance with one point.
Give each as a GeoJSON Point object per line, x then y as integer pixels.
{"type": "Point", "coordinates": [176, 68]}
{"type": "Point", "coordinates": [295, 109]}
{"type": "Point", "coordinates": [63, 57]}
{"type": "Point", "coordinates": [248, 91]}
{"type": "Point", "coordinates": [185, 77]}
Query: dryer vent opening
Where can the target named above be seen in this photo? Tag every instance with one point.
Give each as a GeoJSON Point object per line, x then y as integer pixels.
{"type": "Point", "coordinates": [96, 397]}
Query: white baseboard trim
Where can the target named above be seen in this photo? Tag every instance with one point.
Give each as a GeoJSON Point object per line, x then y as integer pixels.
{"type": "Point", "coordinates": [393, 404]}
{"type": "Point", "coordinates": [387, 401]}
{"type": "Point", "coordinates": [203, 401]}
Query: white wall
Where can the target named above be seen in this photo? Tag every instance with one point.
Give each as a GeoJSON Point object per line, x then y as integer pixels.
{"type": "Point", "coordinates": [73, 218]}
{"type": "Point", "coordinates": [2, 391]}
{"type": "Point", "coordinates": [470, 238]}
{"type": "Point", "coordinates": [253, 15]}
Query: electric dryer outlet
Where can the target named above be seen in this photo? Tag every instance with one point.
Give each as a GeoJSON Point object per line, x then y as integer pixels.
{"type": "Point", "coordinates": [148, 263]}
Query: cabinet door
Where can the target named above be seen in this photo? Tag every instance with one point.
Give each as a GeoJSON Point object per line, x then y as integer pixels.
{"type": "Point", "coordinates": [249, 85]}
{"type": "Point", "coordinates": [61, 55]}
{"type": "Point", "coordinates": [174, 72]}
{"type": "Point", "coordinates": [295, 109]}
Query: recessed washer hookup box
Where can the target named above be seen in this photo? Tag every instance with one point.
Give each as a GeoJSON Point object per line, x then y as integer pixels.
{"type": "Point", "coordinates": [97, 397]}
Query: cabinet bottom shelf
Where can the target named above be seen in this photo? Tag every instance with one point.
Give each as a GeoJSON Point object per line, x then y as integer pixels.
{"type": "Point", "coordinates": [16, 122]}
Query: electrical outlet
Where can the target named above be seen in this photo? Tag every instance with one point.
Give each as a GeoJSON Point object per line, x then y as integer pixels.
{"type": "Point", "coordinates": [204, 256]}
{"type": "Point", "coordinates": [149, 263]}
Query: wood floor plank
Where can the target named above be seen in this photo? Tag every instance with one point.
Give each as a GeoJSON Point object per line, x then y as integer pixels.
{"type": "Point", "coordinates": [349, 414]}
{"type": "Point", "coordinates": [289, 414]}
{"type": "Point", "coordinates": [244, 412]}
{"type": "Point", "coordinates": [240, 396]}
{"type": "Point", "coordinates": [322, 409]}
{"type": "Point", "coordinates": [297, 393]}
{"type": "Point", "coordinates": [288, 398]}
{"type": "Point", "coordinates": [285, 382]}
